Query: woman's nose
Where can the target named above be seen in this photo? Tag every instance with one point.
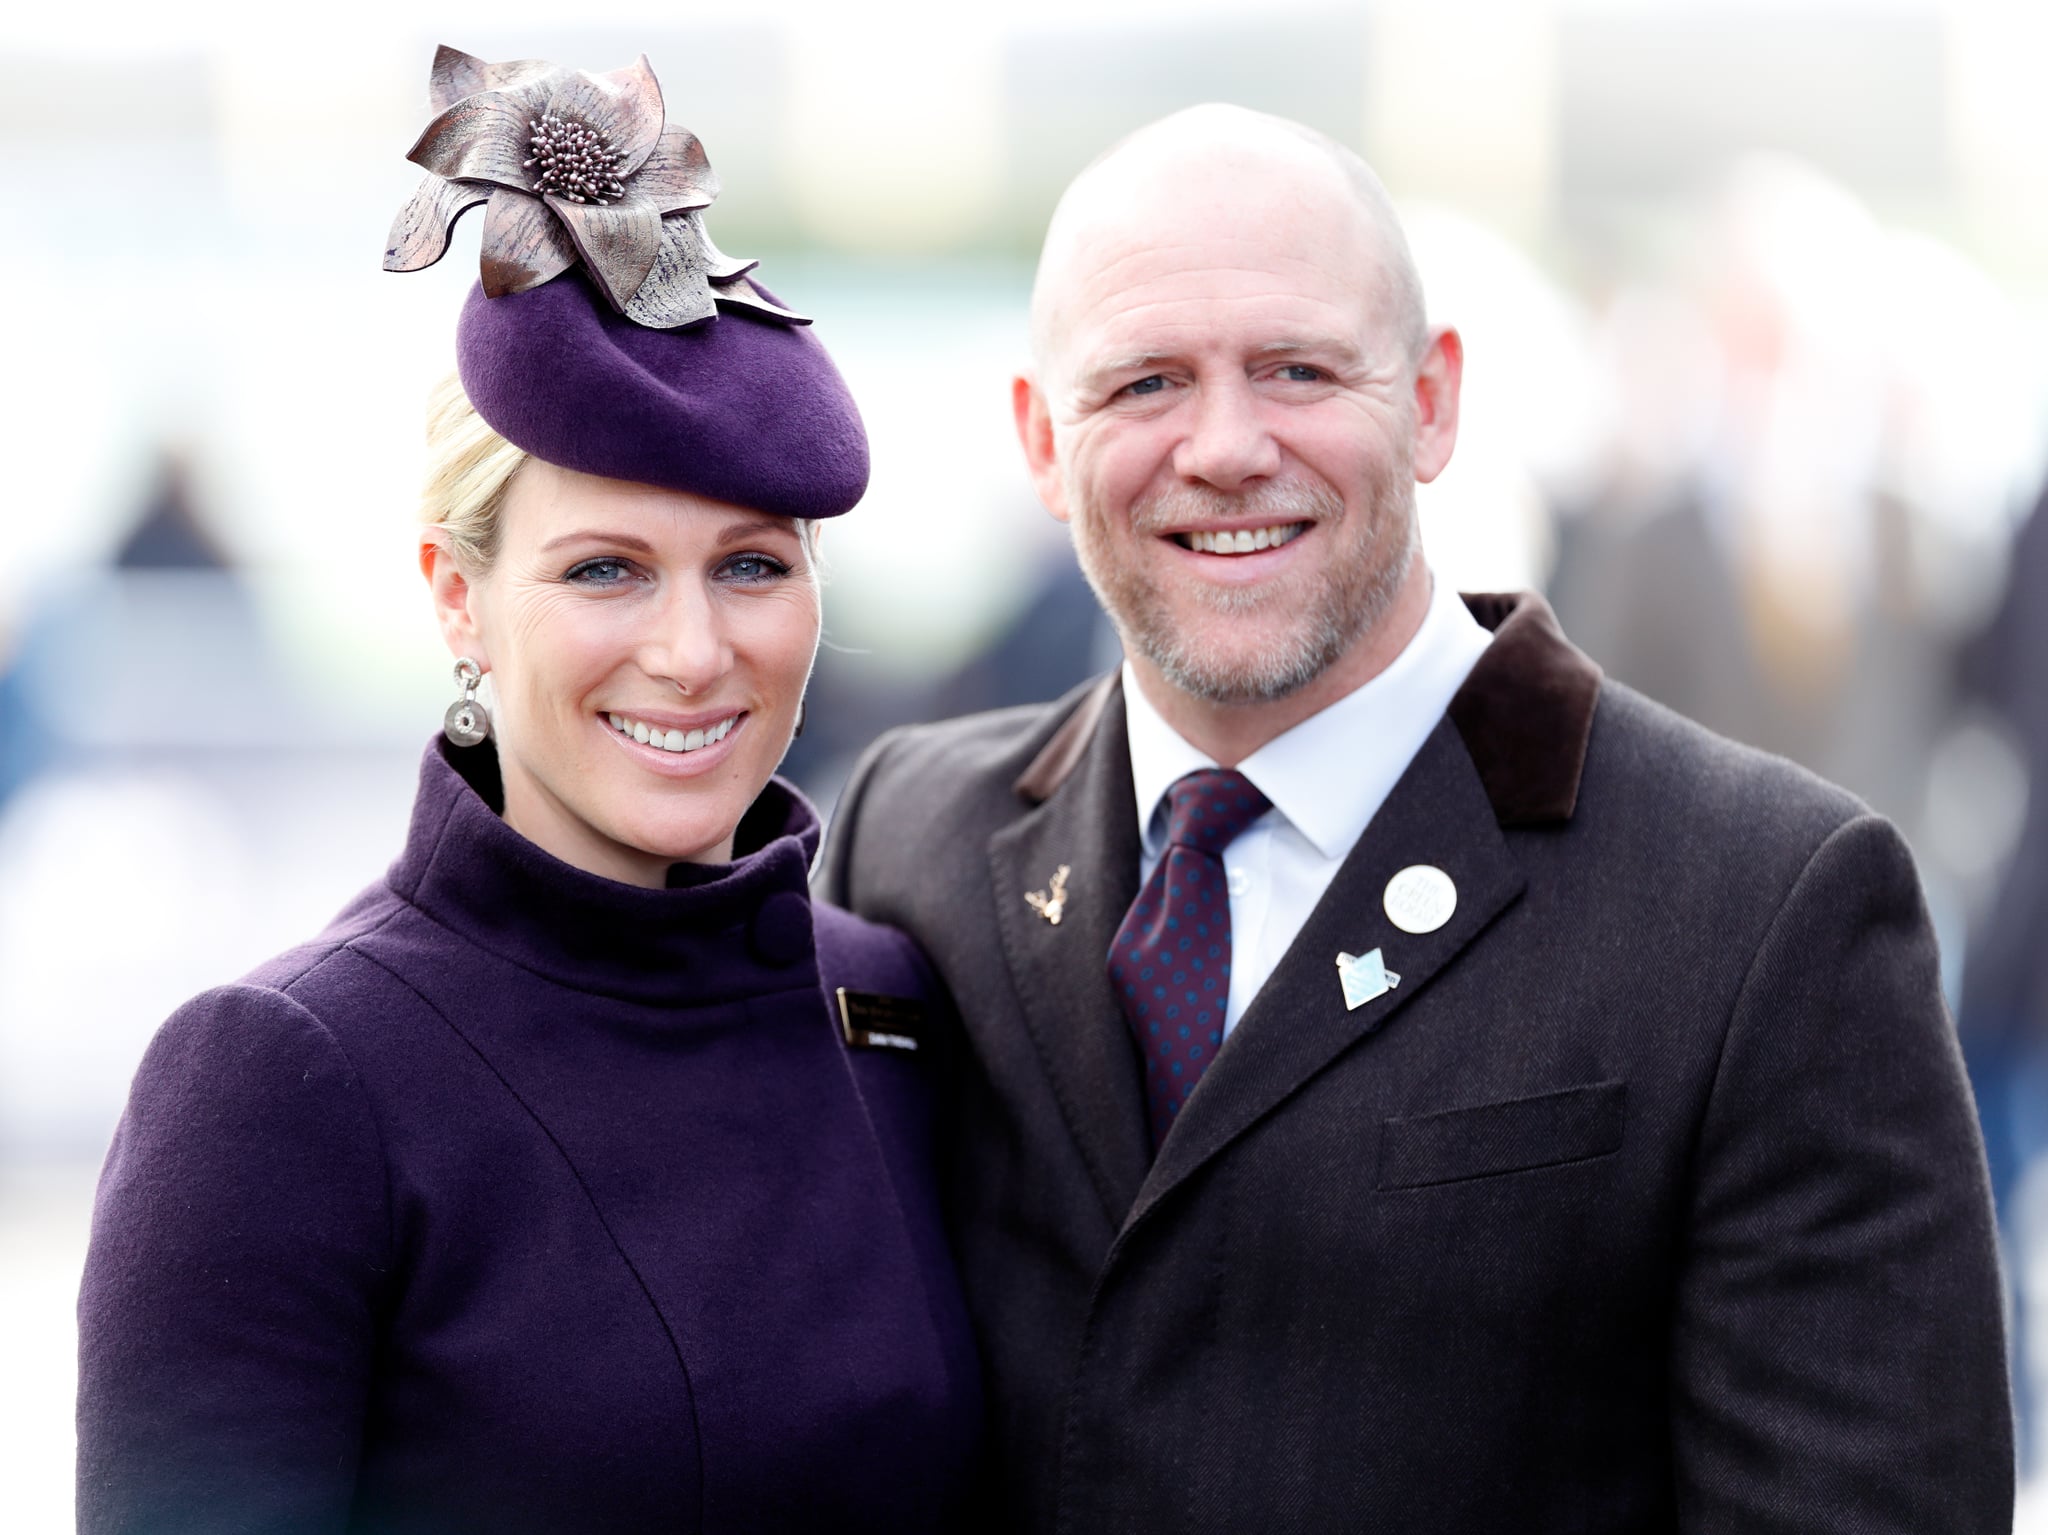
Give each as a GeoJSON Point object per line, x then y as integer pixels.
{"type": "Point", "coordinates": [687, 643]}
{"type": "Point", "coordinates": [1228, 443]}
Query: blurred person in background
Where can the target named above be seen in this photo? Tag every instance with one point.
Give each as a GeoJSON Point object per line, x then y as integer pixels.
{"type": "Point", "coordinates": [1407, 1080]}
{"type": "Point", "coordinates": [578, 1176]}
{"type": "Point", "coordinates": [2004, 1013]}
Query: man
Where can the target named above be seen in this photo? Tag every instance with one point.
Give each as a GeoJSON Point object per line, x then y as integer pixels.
{"type": "Point", "coordinates": [1584, 1148]}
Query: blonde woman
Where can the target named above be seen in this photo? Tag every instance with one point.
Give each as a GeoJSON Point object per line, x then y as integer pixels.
{"type": "Point", "coordinates": [577, 1177]}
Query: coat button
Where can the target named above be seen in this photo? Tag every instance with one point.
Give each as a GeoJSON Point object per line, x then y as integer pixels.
{"type": "Point", "coordinates": [781, 934]}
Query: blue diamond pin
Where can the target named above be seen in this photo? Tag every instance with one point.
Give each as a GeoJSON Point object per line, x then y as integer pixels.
{"type": "Point", "coordinates": [1365, 977]}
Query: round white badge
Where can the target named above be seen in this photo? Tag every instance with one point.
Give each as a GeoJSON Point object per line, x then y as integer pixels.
{"type": "Point", "coordinates": [1421, 898]}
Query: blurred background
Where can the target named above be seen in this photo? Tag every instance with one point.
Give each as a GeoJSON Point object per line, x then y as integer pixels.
{"type": "Point", "coordinates": [1754, 297]}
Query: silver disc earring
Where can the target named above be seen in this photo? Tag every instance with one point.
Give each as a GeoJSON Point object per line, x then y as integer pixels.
{"type": "Point", "coordinates": [467, 722]}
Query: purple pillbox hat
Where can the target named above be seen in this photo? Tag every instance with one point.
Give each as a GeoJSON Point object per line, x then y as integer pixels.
{"type": "Point", "coordinates": [741, 410]}
{"type": "Point", "coordinates": [609, 334]}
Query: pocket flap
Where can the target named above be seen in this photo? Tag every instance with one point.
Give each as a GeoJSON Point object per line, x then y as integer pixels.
{"type": "Point", "coordinates": [1543, 1131]}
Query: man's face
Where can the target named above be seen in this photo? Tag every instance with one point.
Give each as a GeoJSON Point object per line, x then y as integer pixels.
{"type": "Point", "coordinates": [1232, 412]}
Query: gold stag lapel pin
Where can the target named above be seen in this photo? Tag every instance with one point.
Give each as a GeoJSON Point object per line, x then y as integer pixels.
{"type": "Point", "coordinates": [1051, 904]}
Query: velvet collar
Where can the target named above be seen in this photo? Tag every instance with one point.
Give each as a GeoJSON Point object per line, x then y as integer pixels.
{"type": "Point", "coordinates": [1525, 714]}
{"type": "Point", "coordinates": [470, 872]}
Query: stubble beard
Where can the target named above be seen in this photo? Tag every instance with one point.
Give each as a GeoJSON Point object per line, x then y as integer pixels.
{"type": "Point", "coordinates": [1360, 582]}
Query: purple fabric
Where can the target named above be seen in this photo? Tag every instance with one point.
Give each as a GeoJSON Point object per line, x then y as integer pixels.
{"type": "Point", "coordinates": [1170, 960]}
{"type": "Point", "coordinates": [522, 1200]}
{"type": "Point", "coordinates": [742, 410]}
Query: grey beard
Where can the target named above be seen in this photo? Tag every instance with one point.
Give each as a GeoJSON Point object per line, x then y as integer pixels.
{"type": "Point", "coordinates": [1342, 611]}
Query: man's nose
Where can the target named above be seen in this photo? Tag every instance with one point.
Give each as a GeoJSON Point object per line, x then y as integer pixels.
{"type": "Point", "coordinates": [686, 642]}
{"type": "Point", "coordinates": [1228, 443]}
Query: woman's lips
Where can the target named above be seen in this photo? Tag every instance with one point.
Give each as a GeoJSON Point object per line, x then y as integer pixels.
{"type": "Point", "coordinates": [674, 738]}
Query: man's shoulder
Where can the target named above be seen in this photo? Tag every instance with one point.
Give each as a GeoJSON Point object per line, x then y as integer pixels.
{"type": "Point", "coordinates": [921, 793]}
{"type": "Point", "coordinates": [968, 757]}
{"type": "Point", "coordinates": [1647, 762]}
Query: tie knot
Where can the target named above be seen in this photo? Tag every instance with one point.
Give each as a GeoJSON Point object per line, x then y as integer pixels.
{"type": "Point", "coordinates": [1207, 810]}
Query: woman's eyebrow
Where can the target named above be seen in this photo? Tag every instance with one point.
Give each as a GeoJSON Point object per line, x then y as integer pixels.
{"type": "Point", "coordinates": [740, 531]}
{"type": "Point", "coordinates": [631, 541]}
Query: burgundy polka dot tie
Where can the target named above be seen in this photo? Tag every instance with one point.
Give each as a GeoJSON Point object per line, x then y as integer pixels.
{"type": "Point", "coordinates": [1170, 961]}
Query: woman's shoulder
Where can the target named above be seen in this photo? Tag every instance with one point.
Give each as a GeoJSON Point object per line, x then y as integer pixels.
{"type": "Point", "coordinates": [293, 1010]}
{"type": "Point", "coordinates": [869, 956]}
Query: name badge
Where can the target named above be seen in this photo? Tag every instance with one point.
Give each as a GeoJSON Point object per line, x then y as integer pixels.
{"type": "Point", "coordinates": [871, 1021]}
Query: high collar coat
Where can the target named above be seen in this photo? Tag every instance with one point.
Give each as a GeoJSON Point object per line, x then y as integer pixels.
{"type": "Point", "coordinates": [522, 1200]}
{"type": "Point", "coordinates": [1649, 1200]}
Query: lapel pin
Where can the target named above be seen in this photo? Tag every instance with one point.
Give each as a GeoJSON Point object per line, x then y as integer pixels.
{"type": "Point", "coordinates": [1365, 977]}
{"type": "Point", "coordinates": [1051, 904]}
{"type": "Point", "coordinates": [1420, 899]}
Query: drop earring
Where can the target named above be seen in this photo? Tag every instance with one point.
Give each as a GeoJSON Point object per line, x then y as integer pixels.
{"type": "Point", "coordinates": [794, 734]}
{"type": "Point", "coordinates": [467, 722]}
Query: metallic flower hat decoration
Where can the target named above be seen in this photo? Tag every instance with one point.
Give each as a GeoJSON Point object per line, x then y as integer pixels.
{"type": "Point", "coordinates": [572, 166]}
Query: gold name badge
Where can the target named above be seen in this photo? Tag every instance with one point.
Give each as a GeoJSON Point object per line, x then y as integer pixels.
{"type": "Point", "coordinates": [871, 1021]}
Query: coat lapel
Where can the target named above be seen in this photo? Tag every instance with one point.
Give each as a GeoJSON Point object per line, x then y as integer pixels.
{"type": "Point", "coordinates": [1438, 814]}
{"type": "Point", "coordinates": [1086, 822]}
{"type": "Point", "coordinates": [1508, 753]}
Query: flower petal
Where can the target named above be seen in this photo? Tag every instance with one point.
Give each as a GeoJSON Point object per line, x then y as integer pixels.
{"type": "Point", "coordinates": [480, 138]}
{"type": "Point", "coordinates": [457, 74]}
{"type": "Point", "coordinates": [678, 174]}
{"type": "Point", "coordinates": [718, 266]}
{"type": "Point", "coordinates": [743, 297]}
{"type": "Point", "coordinates": [624, 105]}
{"type": "Point", "coordinates": [524, 244]}
{"type": "Point", "coordinates": [675, 293]}
{"type": "Point", "coordinates": [618, 241]}
{"type": "Point", "coordinates": [454, 75]}
{"type": "Point", "coordinates": [419, 235]}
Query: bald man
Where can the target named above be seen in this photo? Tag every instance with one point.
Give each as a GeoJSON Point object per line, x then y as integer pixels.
{"type": "Point", "coordinates": [1404, 1082]}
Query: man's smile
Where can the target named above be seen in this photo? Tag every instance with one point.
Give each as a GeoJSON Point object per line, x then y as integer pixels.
{"type": "Point", "coordinates": [1240, 540]}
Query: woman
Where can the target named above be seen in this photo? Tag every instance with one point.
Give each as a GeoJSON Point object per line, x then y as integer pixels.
{"type": "Point", "coordinates": [544, 1190]}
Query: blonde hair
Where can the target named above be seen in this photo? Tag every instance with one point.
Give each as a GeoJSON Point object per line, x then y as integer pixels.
{"type": "Point", "coordinates": [469, 469]}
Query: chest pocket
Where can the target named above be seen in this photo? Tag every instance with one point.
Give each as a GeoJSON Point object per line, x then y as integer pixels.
{"type": "Point", "coordinates": [1545, 1131]}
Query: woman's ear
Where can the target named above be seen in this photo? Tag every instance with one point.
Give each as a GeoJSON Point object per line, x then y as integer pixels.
{"type": "Point", "coordinates": [454, 598]}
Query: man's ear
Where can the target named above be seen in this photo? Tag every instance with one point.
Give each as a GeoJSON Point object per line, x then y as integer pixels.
{"type": "Point", "coordinates": [454, 598]}
{"type": "Point", "coordinates": [1034, 432]}
{"type": "Point", "coordinates": [1437, 379]}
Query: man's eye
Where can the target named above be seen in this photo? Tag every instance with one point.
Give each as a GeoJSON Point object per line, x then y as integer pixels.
{"type": "Point", "coordinates": [599, 572]}
{"type": "Point", "coordinates": [748, 569]}
{"type": "Point", "coordinates": [1151, 384]}
{"type": "Point", "coordinates": [1300, 373]}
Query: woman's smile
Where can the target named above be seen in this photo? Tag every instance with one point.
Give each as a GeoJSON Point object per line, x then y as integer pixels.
{"type": "Point", "coordinates": [668, 747]}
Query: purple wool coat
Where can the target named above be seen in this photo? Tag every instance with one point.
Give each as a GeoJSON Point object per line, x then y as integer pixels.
{"type": "Point", "coordinates": [524, 1200]}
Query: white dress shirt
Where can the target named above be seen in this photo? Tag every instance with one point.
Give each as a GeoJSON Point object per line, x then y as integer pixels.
{"type": "Point", "coordinates": [1327, 778]}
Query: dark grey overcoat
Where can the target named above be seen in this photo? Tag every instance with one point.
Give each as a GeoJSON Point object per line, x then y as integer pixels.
{"type": "Point", "coordinates": [1650, 1200]}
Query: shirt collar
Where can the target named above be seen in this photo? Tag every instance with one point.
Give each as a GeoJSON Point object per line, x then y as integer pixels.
{"type": "Point", "coordinates": [1375, 731]}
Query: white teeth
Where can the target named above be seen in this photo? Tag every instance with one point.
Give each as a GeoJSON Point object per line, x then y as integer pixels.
{"type": "Point", "coordinates": [1244, 540]}
{"type": "Point", "coordinates": [673, 740]}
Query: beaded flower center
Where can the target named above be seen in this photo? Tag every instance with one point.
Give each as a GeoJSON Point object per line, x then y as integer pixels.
{"type": "Point", "coordinates": [571, 159]}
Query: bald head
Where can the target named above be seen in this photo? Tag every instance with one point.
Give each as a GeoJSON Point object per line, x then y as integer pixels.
{"type": "Point", "coordinates": [1209, 168]}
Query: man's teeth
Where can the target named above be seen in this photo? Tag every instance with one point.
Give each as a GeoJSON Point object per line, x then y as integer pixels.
{"type": "Point", "coordinates": [1245, 540]}
{"type": "Point", "coordinates": [673, 740]}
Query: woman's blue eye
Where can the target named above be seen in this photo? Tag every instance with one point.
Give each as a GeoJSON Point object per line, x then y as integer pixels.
{"type": "Point", "coordinates": [599, 572]}
{"type": "Point", "coordinates": [750, 568]}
